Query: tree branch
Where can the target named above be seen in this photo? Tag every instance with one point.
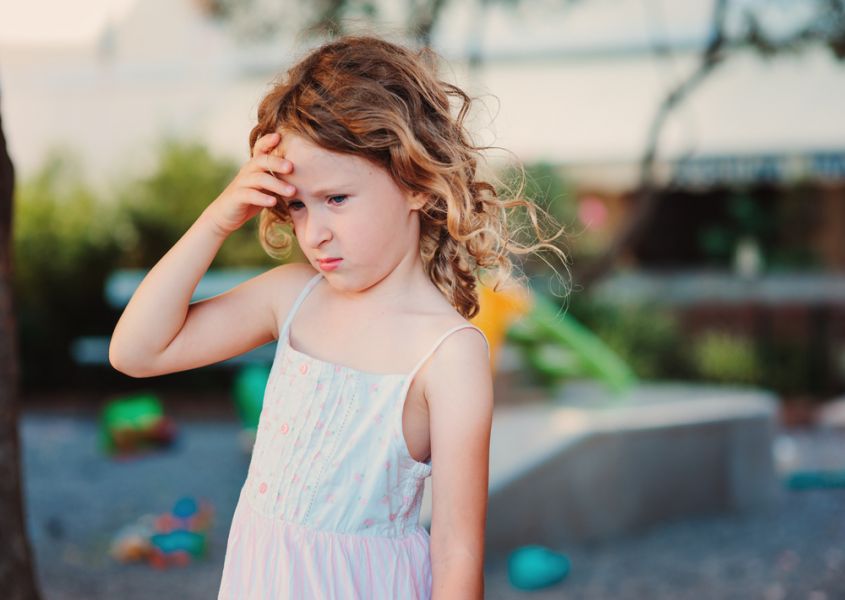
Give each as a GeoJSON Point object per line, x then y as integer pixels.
{"type": "Point", "coordinates": [645, 195]}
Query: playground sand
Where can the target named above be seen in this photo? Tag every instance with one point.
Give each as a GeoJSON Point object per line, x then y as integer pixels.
{"type": "Point", "coordinates": [76, 499]}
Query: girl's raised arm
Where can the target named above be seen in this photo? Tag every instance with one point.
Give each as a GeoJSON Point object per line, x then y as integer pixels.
{"type": "Point", "coordinates": [160, 331]}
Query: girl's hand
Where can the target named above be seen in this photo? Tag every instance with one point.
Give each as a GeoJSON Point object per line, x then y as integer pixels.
{"type": "Point", "coordinates": [246, 195]}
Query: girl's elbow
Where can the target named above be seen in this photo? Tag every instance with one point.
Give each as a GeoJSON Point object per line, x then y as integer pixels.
{"type": "Point", "coordinates": [123, 363]}
{"type": "Point", "coordinates": [121, 367]}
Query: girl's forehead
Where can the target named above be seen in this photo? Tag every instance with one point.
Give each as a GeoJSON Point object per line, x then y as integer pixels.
{"type": "Point", "coordinates": [312, 161]}
{"type": "Point", "coordinates": [296, 148]}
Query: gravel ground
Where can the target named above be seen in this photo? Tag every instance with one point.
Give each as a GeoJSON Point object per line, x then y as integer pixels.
{"type": "Point", "coordinates": [77, 498]}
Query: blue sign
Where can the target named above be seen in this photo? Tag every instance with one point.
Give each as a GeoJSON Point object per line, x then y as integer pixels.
{"type": "Point", "coordinates": [760, 168]}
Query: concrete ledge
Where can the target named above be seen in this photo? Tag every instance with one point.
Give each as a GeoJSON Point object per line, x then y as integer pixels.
{"type": "Point", "coordinates": [584, 467]}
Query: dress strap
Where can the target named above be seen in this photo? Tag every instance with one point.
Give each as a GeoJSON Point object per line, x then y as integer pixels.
{"type": "Point", "coordinates": [313, 281]}
{"type": "Point", "coordinates": [440, 340]}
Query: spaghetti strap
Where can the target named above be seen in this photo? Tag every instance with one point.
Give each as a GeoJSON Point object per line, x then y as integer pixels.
{"type": "Point", "coordinates": [440, 340]}
{"type": "Point", "coordinates": [425, 466]}
{"type": "Point", "coordinates": [311, 283]}
{"type": "Point", "coordinates": [314, 280]}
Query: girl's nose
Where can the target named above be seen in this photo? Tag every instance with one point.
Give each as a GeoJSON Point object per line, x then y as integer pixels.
{"type": "Point", "coordinates": [317, 231]}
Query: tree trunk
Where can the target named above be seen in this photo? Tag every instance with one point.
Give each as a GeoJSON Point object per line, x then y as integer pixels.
{"type": "Point", "coordinates": [17, 577]}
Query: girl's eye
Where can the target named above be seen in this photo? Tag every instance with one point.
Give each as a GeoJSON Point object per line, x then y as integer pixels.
{"type": "Point", "coordinates": [296, 204]}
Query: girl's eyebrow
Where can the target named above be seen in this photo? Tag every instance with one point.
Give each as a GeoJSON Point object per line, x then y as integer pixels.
{"type": "Point", "coordinates": [324, 191]}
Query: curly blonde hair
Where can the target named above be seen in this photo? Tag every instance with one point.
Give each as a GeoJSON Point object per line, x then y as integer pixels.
{"type": "Point", "coordinates": [366, 96]}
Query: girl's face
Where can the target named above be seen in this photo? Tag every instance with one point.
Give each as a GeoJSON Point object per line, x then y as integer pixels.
{"type": "Point", "coordinates": [349, 208]}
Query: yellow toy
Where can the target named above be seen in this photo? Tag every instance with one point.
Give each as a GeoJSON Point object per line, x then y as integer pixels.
{"type": "Point", "coordinates": [553, 344]}
{"type": "Point", "coordinates": [497, 310]}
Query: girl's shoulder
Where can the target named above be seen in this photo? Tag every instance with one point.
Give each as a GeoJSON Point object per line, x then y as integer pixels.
{"type": "Point", "coordinates": [289, 281]}
{"type": "Point", "coordinates": [460, 337]}
{"type": "Point", "coordinates": [452, 333]}
{"type": "Point", "coordinates": [457, 341]}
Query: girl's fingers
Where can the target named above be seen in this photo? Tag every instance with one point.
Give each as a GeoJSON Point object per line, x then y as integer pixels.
{"type": "Point", "coordinates": [265, 143]}
{"type": "Point", "coordinates": [260, 199]}
{"type": "Point", "coordinates": [268, 182]}
{"type": "Point", "coordinates": [271, 163]}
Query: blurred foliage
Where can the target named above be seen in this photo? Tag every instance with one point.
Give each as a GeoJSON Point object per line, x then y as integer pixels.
{"type": "Point", "coordinates": [782, 365]}
{"type": "Point", "coordinates": [782, 221]}
{"type": "Point", "coordinates": [651, 340]}
{"type": "Point", "coordinates": [157, 209]}
{"type": "Point", "coordinates": [545, 188]}
{"type": "Point", "coordinates": [64, 245]}
{"type": "Point", "coordinates": [725, 357]}
{"type": "Point", "coordinates": [798, 211]}
{"type": "Point", "coordinates": [745, 219]}
{"type": "Point", "coordinates": [67, 239]}
{"type": "Point", "coordinates": [646, 337]}
{"type": "Point", "coordinates": [791, 367]}
{"type": "Point", "coordinates": [545, 185]}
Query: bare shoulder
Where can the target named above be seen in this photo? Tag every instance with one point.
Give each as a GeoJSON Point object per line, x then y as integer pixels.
{"type": "Point", "coordinates": [460, 361]}
{"type": "Point", "coordinates": [467, 344]}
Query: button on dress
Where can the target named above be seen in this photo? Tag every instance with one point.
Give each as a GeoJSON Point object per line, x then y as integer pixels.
{"type": "Point", "coordinates": [330, 505]}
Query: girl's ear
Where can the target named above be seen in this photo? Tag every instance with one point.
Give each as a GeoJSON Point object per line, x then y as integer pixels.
{"type": "Point", "coordinates": [417, 200]}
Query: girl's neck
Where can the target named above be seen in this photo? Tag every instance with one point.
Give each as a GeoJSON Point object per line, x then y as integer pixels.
{"type": "Point", "coordinates": [402, 287]}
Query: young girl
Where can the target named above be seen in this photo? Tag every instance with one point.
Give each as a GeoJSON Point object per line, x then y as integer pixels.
{"type": "Point", "coordinates": [378, 380]}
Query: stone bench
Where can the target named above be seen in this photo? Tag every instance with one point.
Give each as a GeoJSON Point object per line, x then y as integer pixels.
{"type": "Point", "coordinates": [584, 467]}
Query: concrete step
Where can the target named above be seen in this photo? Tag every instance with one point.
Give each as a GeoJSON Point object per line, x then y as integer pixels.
{"type": "Point", "coordinates": [584, 466]}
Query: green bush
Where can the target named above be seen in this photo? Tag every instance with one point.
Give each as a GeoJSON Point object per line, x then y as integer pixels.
{"type": "Point", "coordinates": [548, 190]}
{"type": "Point", "coordinates": [792, 367]}
{"type": "Point", "coordinates": [63, 247]}
{"type": "Point", "coordinates": [646, 337]}
{"type": "Point", "coordinates": [67, 239]}
{"type": "Point", "coordinates": [725, 357]}
{"type": "Point", "coordinates": [157, 209]}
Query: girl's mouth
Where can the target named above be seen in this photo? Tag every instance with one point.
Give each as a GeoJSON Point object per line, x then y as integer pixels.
{"type": "Point", "coordinates": [330, 265]}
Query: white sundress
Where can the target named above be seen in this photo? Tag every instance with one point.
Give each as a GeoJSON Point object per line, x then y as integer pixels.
{"type": "Point", "coordinates": [330, 505]}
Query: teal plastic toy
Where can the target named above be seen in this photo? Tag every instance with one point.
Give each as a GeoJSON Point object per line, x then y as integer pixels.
{"type": "Point", "coordinates": [805, 480]}
{"type": "Point", "coordinates": [536, 567]}
{"type": "Point", "coordinates": [248, 390]}
{"type": "Point", "coordinates": [170, 539]}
